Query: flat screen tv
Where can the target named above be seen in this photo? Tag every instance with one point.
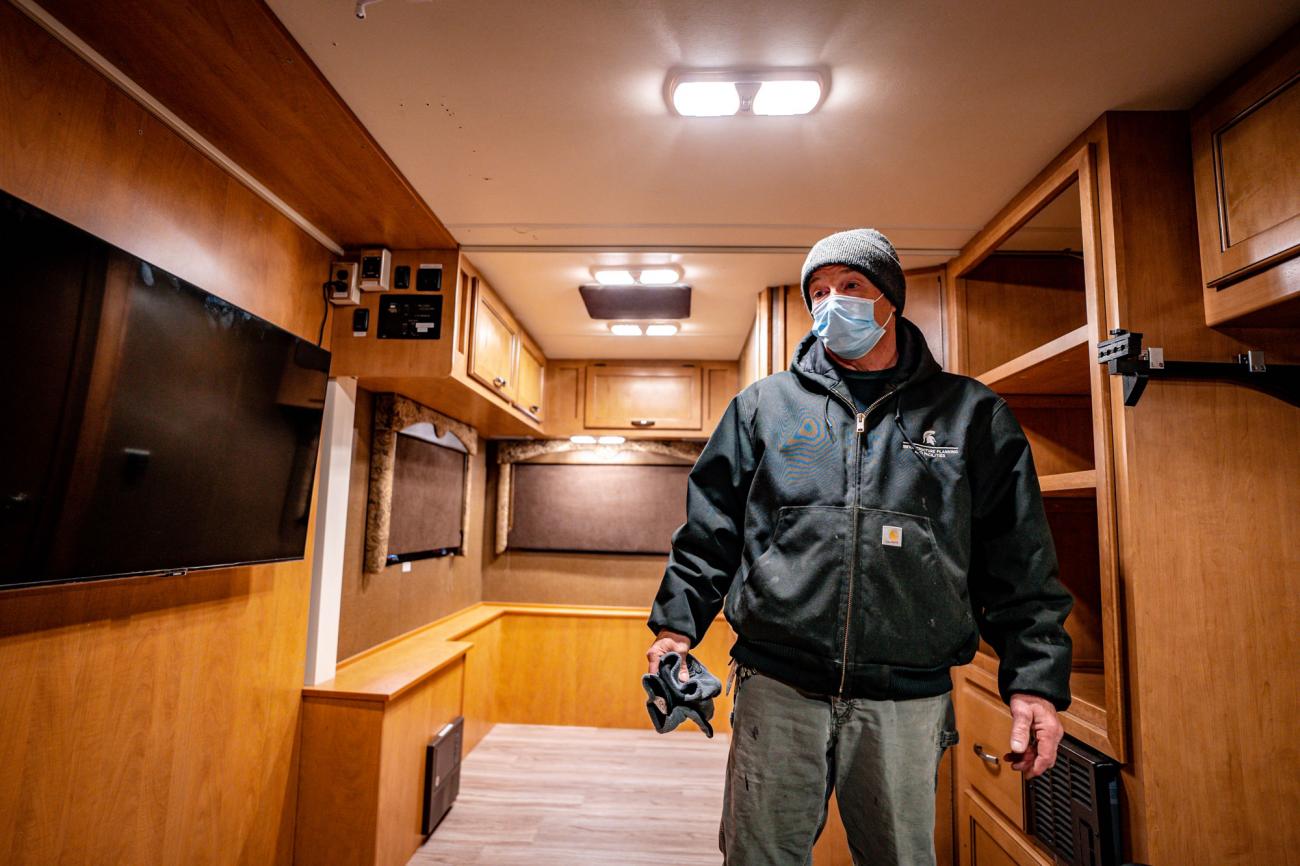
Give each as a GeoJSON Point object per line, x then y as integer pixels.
{"type": "Point", "coordinates": [148, 425]}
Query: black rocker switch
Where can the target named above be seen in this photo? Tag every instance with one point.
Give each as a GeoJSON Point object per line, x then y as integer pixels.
{"type": "Point", "coordinates": [360, 321]}
{"type": "Point", "coordinates": [402, 277]}
{"type": "Point", "coordinates": [428, 279]}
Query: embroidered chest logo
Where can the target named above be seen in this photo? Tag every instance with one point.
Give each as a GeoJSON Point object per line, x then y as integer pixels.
{"type": "Point", "coordinates": [930, 446]}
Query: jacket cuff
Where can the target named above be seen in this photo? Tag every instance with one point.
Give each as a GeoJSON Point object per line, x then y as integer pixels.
{"type": "Point", "coordinates": [1060, 702]}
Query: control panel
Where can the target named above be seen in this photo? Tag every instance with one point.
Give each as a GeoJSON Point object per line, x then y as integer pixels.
{"type": "Point", "coordinates": [410, 317]}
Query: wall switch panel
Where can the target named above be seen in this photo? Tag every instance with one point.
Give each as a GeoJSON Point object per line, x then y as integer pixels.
{"type": "Point", "coordinates": [375, 266]}
{"type": "Point", "coordinates": [343, 286]}
{"type": "Point", "coordinates": [360, 322]}
{"type": "Point", "coordinates": [429, 278]}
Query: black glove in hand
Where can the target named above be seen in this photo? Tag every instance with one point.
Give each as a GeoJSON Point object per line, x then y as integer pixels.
{"type": "Point", "coordinates": [672, 701]}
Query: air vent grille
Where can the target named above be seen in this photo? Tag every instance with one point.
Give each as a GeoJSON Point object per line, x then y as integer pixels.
{"type": "Point", "coordinates": [1073, 808]}
{"type": "Point", "coordinates": [637, 302]}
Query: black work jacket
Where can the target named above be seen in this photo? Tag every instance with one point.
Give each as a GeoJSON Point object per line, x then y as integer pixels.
{"type": "Point", "coordinates": [863, 554]}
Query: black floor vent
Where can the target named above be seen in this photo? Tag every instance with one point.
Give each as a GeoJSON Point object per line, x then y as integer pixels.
{"type": "Point", "coordinates": [441, 773]}
{"type": "Point", "coordinates": [1073, 808]}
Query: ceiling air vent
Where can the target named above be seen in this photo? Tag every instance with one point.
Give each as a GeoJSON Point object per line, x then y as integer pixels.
{"type": "Point", "coordinates": [637, 302]}
{"type": "Point", "coordinates": [1073, 808]}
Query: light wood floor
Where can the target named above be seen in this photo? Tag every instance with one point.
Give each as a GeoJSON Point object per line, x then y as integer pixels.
{"type": "Point", "coordinates": [545, 795]}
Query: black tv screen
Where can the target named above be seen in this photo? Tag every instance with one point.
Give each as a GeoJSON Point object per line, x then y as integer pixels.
{"type": "Point", "coordinates": [148, 426]}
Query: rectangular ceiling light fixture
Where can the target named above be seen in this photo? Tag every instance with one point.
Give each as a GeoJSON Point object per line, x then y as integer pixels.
{"type": "Point", "coordinates": [726, 92]}
{"type": "Point", "coordinates": [614, 277]}
{"type": "Point", "coordinates": [637, 302]}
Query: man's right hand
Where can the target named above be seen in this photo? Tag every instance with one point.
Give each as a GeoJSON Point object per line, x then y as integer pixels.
{"type": "Point", "coordinates": [669, 642]}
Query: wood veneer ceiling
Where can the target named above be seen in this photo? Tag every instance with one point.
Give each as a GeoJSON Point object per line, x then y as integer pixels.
{"type": "Point", "coordinates": [229, 69]}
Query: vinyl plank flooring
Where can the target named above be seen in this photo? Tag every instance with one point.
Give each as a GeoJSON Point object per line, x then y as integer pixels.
{"type": "Point", "coordinates": [547, 795]}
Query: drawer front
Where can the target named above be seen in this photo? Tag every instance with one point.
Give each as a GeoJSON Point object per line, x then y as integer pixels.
{"type": "Point", "coordinates": [631, 398]}
{"type": "Point", "coordinates": [985, 724]}
{"type": "Point", "coordinates": [987, 839]}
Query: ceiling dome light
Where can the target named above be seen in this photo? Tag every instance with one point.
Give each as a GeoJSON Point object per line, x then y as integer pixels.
{"type": "Point", "coordinates": [766, 92]}
{"type": "Point", "coordinates": [614, 277]}
{"type": "Point", "coordinates": [661, 330]}
{"type": "Point", "coordinates": [706, 98]}
{"type": "Point", "coordinates": [787, 97]}
{"type": "Point", "coordinates": [659, 276]}
{"type": "Point", "coordinates": [624, 329]}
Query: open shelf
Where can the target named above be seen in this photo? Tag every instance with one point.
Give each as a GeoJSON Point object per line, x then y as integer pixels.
{"type": "Point", "coordinates": [1073, 484]}
{"type": "Point", "coordinates": [1086, 717]}
{"type": "Point", "coordinates": [1056, 367]}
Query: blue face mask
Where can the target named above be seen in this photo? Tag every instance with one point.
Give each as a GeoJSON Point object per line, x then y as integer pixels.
{"type": "Point", "coordinates": [847, 325]}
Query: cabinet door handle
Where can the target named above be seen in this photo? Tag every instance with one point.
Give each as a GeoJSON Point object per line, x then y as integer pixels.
{"type": "Point", "coordinates": [991, 760]}
{"type": "Point", "coordinates": [643, 422]}
{"type": "Point", "coordinates": [534, 409]}
{"type": "Point", "coordinates": [499, 382]}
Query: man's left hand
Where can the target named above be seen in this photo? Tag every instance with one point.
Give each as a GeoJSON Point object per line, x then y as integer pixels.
{"type": "Point", "coordinates": [1035, 733]}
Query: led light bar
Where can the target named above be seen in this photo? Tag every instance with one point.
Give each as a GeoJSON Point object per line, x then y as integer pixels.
{"type": "Point", "coordinates": [763, 92]}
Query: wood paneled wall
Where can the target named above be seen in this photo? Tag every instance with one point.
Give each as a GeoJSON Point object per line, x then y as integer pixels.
{"type": "Point", "coordinates": [377, 607]}
{"type": "Point", "coordinates": [1209, 511]}
{"type": "Point", "coordinates": [152, 720]}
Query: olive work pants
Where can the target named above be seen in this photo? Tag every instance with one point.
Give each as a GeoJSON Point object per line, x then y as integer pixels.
{"type": "Point", "coordinates": [791, 748]}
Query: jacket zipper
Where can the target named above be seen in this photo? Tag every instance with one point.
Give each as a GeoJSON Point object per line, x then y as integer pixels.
{"type": "Point", "coordinates": [857, 499]}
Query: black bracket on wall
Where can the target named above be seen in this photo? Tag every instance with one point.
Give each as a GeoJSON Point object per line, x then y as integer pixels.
{"type": "Point", "coordinates": [1124, 356]}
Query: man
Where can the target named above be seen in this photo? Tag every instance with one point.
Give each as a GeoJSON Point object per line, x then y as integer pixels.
{"type": "Point", "coordinates": [862, 519]}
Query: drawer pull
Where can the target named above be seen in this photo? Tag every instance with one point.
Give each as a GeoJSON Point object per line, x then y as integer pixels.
{"type": "Point", "coordinates": [499, 382]}
{"type": "Point", "coordinates": [991, 760]}
{"type": "Point", "coordinates": [533, 409]}
{"type": "Point", "coordinates": [643, 422]}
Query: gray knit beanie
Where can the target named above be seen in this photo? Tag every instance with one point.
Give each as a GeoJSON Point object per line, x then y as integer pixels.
{"type": "Point", "coordinates": [866, 251]}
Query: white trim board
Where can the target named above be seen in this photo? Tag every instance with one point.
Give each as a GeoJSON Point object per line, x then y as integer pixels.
{"type": "Point", "coordinates": [331, 531]}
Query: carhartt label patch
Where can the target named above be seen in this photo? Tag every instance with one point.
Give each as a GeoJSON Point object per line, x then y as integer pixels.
{"type": "Point", "coordinates": [891, 536]}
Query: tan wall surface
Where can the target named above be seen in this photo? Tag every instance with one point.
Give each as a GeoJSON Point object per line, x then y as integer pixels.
{"type": "Point", "coordinates": [376, 607]}
{"type": "Point", "coordinates": [565, 578]}
{"type": "Point", "coordinates": [149, 720]}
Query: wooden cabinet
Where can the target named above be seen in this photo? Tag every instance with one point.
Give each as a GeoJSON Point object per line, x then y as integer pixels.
{"type": "Point", "coordinates": [1027, 312]}
{"type": "Point", "coordinates": [643, 397]}
{"type": "Point", "coordinates": [1123, 484]}
{"type": "Point", "coordinates": [530, 369]}
{"type": "Point", "coordinates": [985, 726]}
{"type": "Point", "coordinates": [985, 838]}
{"type": "Point", "coordinates": [638, 399]}
{"type": "Point", "coordinates": [1246, 160]}
{"type": "Point", "coordinates": [483, 369]}
{"type": "Point", "coordinates": [492, 352]}
{"type": "Point", "coordinates": [501, 356]}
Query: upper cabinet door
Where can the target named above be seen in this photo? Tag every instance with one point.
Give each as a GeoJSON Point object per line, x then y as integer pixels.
{"type": "Point", "coordinates": [648, 397]}
{"type": "Point", "coordinates": [1246, 157]}
{"type": "Point", "coordinates": [528, 381]}
{"type": "Point", "coordinates": [492, 358]}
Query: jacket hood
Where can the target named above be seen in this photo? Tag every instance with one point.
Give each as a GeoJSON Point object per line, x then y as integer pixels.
{"type": "Point", "coordinates": [915, 361]}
